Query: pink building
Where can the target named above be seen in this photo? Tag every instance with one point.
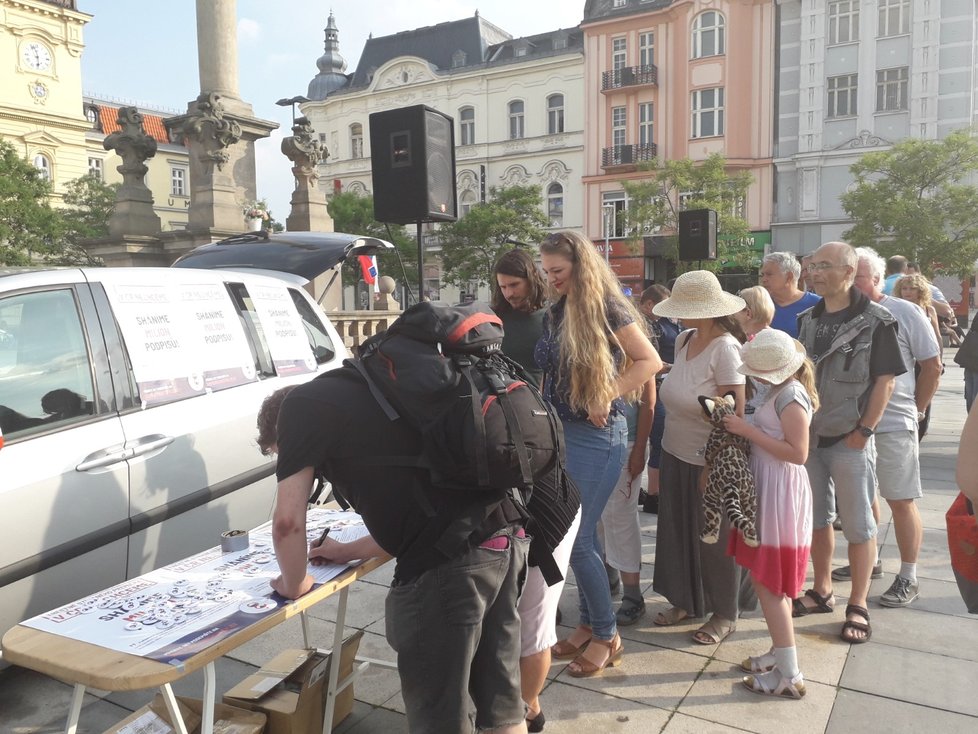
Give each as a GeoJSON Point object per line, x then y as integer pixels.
{"type": "Point", "coordinates": [673, 80]}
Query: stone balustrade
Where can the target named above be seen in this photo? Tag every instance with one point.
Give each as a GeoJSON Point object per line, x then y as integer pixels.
{"type": "Point", "coordinates": [355, 327]}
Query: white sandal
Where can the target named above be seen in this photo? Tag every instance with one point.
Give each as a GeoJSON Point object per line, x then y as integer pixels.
{"type": "Point", "coordinates": [759, 664]}
{"type": "Point", "coordinates": [784, 688]}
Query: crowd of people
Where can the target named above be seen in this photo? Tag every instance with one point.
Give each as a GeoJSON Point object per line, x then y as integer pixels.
{"type": "Point", "coordinates": [829, 365]}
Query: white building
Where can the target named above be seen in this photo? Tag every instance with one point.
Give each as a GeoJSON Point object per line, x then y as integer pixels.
{"type": "Point", "coordinates": [517, 106]}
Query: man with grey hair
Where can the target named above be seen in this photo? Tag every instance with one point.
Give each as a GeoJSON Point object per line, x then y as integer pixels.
{"type": "Point", "coordinates": [780, 272]}
{"type": "Point", "coordinates": [853, 343]}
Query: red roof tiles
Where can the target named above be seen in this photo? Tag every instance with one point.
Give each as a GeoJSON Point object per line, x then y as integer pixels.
{"type": "Point", "coordinates": [152, 124]}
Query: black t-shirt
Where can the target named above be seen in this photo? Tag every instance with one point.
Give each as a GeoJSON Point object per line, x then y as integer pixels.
{"type": "Point", "coordinates": [885, 357]}
{"type": "Point", "coordinates": [333, 424]}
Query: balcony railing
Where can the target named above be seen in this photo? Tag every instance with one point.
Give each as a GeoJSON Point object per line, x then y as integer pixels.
{"type": "Point", "coordinates": [627, 155]}
{"type": "Point", "coordinates": [630, 76]}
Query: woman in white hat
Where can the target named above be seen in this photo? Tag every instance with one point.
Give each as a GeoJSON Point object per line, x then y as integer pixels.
{"type": "Point", "coordinates": [778, 432]}
{"type": "Point", "coordinates": [697, 578]}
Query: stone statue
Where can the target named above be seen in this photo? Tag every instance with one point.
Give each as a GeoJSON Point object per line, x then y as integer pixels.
{"type": "Point", "coordinates": [309, 212]}
{"type": "Point", "coordinates": [208, 126]}
{"type": "Point", "coordinates": [133, 212]}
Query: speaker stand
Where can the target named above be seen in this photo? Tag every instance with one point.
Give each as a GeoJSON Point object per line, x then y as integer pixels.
{"type": "Point", "coordinates": [421, 295]}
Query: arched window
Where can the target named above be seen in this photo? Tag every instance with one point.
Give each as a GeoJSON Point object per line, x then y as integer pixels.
{"type": "Point", "coordinates": [465, 202]}
{"type": "Point", "coordinates": [466, 126]}
{"type": "Point", "coordinates": [555, 205]}
{"type": "Point", "coordinates": [356, 140]}
{"type": "Point", "coordinates": [555, 114]}
{"type": "Point", "coordinates": [516, 129]}
{"type": "Point", "coordinates": [43, 165]}
{"type": "Point", "coordinates": [708, 35]}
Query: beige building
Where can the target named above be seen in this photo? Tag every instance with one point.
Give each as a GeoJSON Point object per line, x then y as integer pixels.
{"type": "Point", "coordinates": [516, 103]}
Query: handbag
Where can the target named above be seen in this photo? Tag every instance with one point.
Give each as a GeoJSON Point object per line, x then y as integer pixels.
{"type": "Point", "coordinates": [962, 543]}
{"type": "Point", "coordinates": [967, 355]}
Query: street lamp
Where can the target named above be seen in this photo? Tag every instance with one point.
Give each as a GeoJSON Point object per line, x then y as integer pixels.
{"type": "Point", "coordinates": [608, 214]}
{"type": "Point", "coordinates": [292, 101]}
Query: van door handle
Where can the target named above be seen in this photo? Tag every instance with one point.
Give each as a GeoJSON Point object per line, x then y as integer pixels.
{"type": "Point", "coordinates": [149, 444]}
{"type": "Point", "coordinates": [103, 458]}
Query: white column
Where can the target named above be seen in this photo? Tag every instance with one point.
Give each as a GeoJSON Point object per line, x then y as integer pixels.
{"type": "Point", "coordinates": [217, 46]}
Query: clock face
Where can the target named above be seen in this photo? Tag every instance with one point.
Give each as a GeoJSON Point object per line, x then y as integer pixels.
{"type": "Point", "coordinates": [36, 56]}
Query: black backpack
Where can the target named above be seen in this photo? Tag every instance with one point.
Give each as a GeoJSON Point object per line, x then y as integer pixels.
{"type": "Point", "coordinates": [484, 425]}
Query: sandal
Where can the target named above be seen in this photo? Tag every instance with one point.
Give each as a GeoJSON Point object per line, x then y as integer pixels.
{"type": "Point", "coordinates": [766, 685]}
{"type": "Point", "coordinates": [673, 615]}
{"type": "Point", "coordinates": [535, 725]}
{"type": "Point", "coordinates": [629, 612]}
{"type": "Point", "coordinates": [566, 650]}
{"type": "Point", "coordinates": [715, 631]}
{"type": "Point", "coordinates": [760, 664]}
{"type": "Point", "coordinates": [850, 625]}
{"type": "Point", "coordinates": [587, 669]}
{"type": "Point", "coordinates": [823, 604]}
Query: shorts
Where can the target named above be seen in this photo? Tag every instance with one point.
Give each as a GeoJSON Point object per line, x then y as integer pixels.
{"type": "Point", "coordinates": [845, 478]}
{"type": "Point", "coordinates": [538, 602]}
{"type": "Point", "coordinates": [898, 465]}
{"type": "Point", "coordinates": [457, 637]}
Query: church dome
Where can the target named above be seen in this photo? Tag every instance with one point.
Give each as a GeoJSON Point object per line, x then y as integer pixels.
{"type": "Point", "coordinates": [331, 65]}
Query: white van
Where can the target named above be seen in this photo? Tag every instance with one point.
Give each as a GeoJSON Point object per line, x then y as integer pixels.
{"type": "Point", "coordinates": [128, 399]}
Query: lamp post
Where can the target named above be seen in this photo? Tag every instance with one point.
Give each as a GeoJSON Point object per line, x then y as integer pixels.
{"type": "Point", "coordinates": [608, 211]}
{"type": "Point", "coordinates": [292, 101]}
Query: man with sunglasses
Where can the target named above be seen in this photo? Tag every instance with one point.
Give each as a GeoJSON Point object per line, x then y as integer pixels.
{"type": "Point", "coordinates": [853, 343]}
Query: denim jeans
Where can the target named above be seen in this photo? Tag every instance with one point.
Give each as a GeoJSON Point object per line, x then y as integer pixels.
{"type": "Point", "coordinates": [595, 457]}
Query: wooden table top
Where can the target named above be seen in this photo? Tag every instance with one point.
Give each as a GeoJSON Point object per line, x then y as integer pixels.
{"type": "Point", "coordinates": [93, 666]}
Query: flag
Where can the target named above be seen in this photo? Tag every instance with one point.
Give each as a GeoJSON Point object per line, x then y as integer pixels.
{"type": "Point", "coordinates": [368, 266]}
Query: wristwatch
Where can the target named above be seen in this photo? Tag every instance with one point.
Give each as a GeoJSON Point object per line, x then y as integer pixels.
{"type": "Point", "coordinates": [866, 431]}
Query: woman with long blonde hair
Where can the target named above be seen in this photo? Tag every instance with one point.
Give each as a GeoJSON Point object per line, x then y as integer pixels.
{"type": "Point", "coordinates": [916, 289]}
{"type": "Point", "coordinates": [594, 354]}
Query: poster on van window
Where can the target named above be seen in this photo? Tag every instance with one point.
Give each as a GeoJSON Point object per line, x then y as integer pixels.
{"type": "Point", "coordinates": [175, 612]}
{"type": "Point", "coordinates": [182, 339]}
{"type": "Point", "coordinates": [283, 330]}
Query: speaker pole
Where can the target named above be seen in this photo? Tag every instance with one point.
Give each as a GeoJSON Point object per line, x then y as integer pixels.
{"type": "Point", "coordinates": [421, 296]}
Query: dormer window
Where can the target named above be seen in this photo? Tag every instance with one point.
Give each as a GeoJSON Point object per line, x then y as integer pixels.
{"type": "Point", "coordinates": [91, 115]}
{"type": "Point", "coordinates": [459, 59]}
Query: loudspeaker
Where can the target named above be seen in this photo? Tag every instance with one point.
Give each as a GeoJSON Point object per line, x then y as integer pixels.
{"type": "Point", "coordinates": [412, 160]}
{"type": "Point", "coordinates": [698, 234]}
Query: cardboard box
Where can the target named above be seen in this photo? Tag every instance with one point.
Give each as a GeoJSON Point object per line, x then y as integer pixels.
{"type": "Point", "coordinates": [290, 689]}
{"type": "Point", "coordinates": [228, 719]}
{"type": "Point", "coordinates": [155, 719]}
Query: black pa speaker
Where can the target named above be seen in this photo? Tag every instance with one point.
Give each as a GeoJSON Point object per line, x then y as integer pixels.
{"type": "Point", "coordinates": [412, 161]}
{"type": "Point", "coordinates": [698, 234]}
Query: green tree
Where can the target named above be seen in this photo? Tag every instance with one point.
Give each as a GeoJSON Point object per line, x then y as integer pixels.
{"type": "Point", "coordinates": [471, 245]}
{"type": "Point", "coordinates": [654, 205]}
{"type": "Point", "coordinates": [916, 200]}
{"type": "Point", "coordinates": [89, 203]}
{"type": "Point", "coordinates": [30, 229]}
{"type": "Point", "coordinates": [354, 214]}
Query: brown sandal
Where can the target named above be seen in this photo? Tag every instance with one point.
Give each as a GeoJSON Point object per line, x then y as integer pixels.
{"type": "Point", "coordinates": [587, 669]}
{"type": "Point", "coordinates": [566, 650]}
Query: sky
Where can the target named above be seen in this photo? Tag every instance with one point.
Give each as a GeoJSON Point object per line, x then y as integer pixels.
{"type": "Point", "coordinates": [145, 53]}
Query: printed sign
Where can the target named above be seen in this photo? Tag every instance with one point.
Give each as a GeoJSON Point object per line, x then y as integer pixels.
{"type": "Point", "coordinates": [283, 330]}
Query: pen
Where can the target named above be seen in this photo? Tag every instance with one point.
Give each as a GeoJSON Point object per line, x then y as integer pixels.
{"type": "Point", "coordinates": [322, 537]}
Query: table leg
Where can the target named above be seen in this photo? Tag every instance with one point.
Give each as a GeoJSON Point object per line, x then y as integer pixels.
{"type": "Point", "coordinates": [334, 662]}
{"type": "Point", "coordinates": [77, 698]}
{"type": "Point", "coordinates": [210, 694]}
{"type": "Point", "coordinates": [306, 635]}
{"type": "Point", "coordinates": [174, 710]}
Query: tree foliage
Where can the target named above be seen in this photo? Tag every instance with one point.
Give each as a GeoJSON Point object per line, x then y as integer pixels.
{"type": "Point", "coordinates": [30, 227]}
{"type": "Point", "coordinates": [354, 214]}
{"type": "Point", "coordinates": [471, 245]}
{"type": "Point", "coordinates": [654, 205]}
{"type": "Point", "coordinates": [916, 200]}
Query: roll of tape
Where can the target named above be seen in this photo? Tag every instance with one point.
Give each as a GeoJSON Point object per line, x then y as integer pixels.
{"type": "Point", "coordinates": [234, 540]}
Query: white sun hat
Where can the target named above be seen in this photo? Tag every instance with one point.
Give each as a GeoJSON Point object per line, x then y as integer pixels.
{"type": "Point", "coordinates": [698, 295]}
{"type": "Point", "coordinates": [772, 355]}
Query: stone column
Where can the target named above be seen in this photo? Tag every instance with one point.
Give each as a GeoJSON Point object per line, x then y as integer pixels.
{"type": "Point", "coordinates": [309, 212]}
{"type": "Point", "coordinates": [217, 47]}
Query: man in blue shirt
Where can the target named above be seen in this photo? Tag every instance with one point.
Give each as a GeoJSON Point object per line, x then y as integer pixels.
{"type": "Point", "coordinates": [780, 272]}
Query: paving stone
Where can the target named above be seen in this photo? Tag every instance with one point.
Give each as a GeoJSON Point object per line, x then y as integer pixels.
{"type": "Point", "coordinates": [683, 724]}
{"type": "Point", "coordinates": [571, 710]}
{"type": "Point", "coordinates": [381, 721]}
{"type": "Point", "coordinates": [364, 606]}
{"type": "Point", "coordinates": [916, 629]}
{"type": "Point", "coordinates": [854, 712]}
{"type": "Point", "coordinates": [31, 703]}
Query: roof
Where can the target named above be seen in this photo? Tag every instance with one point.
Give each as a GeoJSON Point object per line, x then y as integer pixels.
{"type": "Point", "coordinates": [601, 9]}
{"type": "Point", "coordinates": [152, 124]}
{"type": "Point", "coordinates": [542, 44]}
{"type": "Point", "coordinates": [435, 44]}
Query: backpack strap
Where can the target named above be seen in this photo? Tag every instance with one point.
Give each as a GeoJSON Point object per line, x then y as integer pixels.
{"type": "Point", "coordinates": [383, 402]}
{"type": "Point", "coordinates": [481, 457]}
{"type": "Point", "coordinates": [513, 421]}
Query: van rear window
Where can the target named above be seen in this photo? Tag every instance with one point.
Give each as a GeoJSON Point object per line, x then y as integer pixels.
{"type": "Point", "coordinates": [319, 341]}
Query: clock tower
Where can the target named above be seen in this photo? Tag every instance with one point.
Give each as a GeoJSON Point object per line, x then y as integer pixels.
{"type": "Point", "coordinates": [41, 111]}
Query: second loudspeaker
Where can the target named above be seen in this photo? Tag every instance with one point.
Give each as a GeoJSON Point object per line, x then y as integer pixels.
{"type": "Point", "coordinates": [698, 234]}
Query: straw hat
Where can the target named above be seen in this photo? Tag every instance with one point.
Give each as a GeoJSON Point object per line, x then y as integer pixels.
{"type": "Point", "coordinates": [772, 356]}
{"type": "Point", "coordinates": [698, 295]}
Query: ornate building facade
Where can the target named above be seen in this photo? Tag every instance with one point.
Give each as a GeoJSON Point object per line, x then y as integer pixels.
{"type": "Point", "coordinates": [517, 106]}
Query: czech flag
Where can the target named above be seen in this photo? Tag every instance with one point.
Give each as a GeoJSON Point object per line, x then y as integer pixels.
{"type": "Point", "coordinates": [368, 266]}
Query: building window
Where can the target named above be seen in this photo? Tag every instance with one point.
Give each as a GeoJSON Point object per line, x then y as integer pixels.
{"type": "Point", "coordinates": [707, 109]}
{"type": "Point", "coordinates": [842, 95]}
{"type": "Point", "coordinates": [645, 121]}
{"type": "Point", "coordinates": [465, 203]}
{"type": "Point", "coordinates": [619, 121]}
{"type": "Point", "coordinates": [356, 140]}
{"type": "Point", "coordinates": [43, 166]}
{"type": "Point", "coordinates": [646, 48]}
{"type": "Point", "coordinates": [619, 53]}
{"type": "Point", "coordinates": [459, 59]}
{"type": "Point", "coordinates": [894, 17]}
{"type": "Point", "coordinates": [516, 129]}
{"type": "Point", "coordinates": [843, 22]}
{"type": "Point", "coordinates": [891, 89]}
{"type": "Point", "coordinates": [91, 115]}
{"type": "Point", "coordinates": [178, 182]}
{"type": "Point", "coordinates": [555, 205]}
{"type": "Point", "coordinates": [322, 138]}
{"type": "Point", "coordinates": [619, 3]}
{"type": "Point", "coordinates": [613, 208]}
{"type": "Point", "coordinates": [708, 35]}
{"type": "Point", "coordinates": [95, 168]}
{"type": "Point", "coordinates": [555, 114]}
{"type": "Point", "coordinates": [466, 126]}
